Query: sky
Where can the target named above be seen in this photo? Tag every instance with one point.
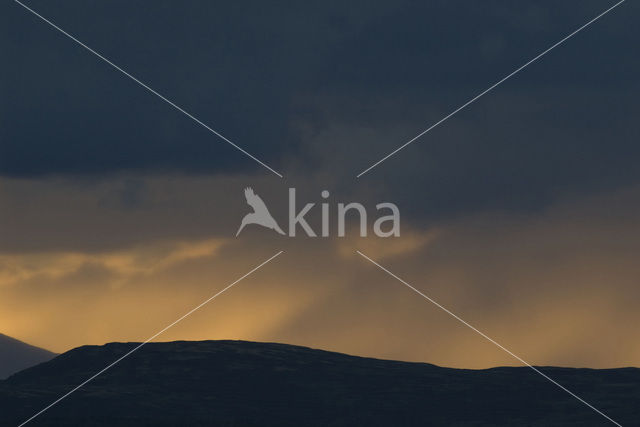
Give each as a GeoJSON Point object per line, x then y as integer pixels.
{"type": "Point", "coordinates": [520, 213]}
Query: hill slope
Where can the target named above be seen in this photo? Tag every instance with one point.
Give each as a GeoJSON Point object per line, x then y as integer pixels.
{"type": "Point", "coordinates": [235, 383]}
{"type": "Point", "coordinates": [16, 356]}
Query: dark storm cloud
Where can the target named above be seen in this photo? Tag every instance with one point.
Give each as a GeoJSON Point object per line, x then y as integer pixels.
{"type": "Point", "coordinates": [65, 111]}
{"type": "Point", "coordinates": [296, 85]}
{"type": "Point", "coordinates": [564, 125]}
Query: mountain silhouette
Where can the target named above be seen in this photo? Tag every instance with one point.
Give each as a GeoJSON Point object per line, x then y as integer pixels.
{"type": "Point", "coordinates": [16, 355]}
{"type": "Point", "coordinates": [238, 383]}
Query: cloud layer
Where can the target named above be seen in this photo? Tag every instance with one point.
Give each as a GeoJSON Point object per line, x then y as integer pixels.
{"type": "Point", "coordinates": [556, 287]}
{"type": "Point", "coordinates": [520, 213]}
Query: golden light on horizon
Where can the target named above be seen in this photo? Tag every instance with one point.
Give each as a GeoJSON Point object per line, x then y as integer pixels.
{"type": "Point", "coordinates": [320, 296]}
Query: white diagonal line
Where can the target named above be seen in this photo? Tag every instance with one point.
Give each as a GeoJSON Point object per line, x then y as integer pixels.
{"type": "Point", "coordinates": [489, 89]}
{"type": "Point", "coordinates": [488, 338]}
{"type": "Point", "coordinates": [183, 111]}
{"type": "Point", "coordinates": [148, 339]}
